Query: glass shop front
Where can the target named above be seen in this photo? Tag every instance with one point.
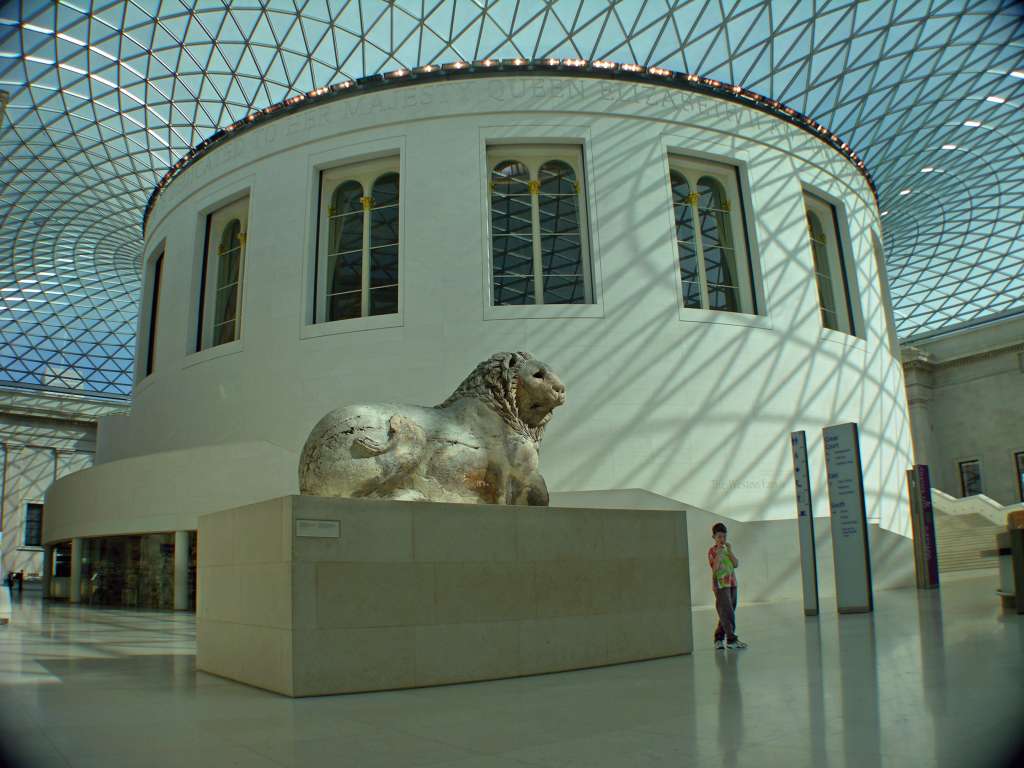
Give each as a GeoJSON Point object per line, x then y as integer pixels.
{"type": "Point", "coordinates": [134, 571]}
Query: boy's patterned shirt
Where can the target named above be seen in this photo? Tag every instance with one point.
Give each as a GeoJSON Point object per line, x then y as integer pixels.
{"type": "Point", "coordinates": [725, 576]}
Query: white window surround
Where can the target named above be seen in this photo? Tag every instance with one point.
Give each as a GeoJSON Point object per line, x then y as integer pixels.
{"type": "Point", "coordinates": [142, 342]}
{"type": "Point", "coordinates": [325, 156]}
{"type": "Point", "coordinates": [206, 355]}
{"type": "Point", "coordinates": [534, 157]}
{"type": "Point", "coordinates": [217, 222]}
{"type": "Point", "coordinates": [364, 173]}
{"type": "Point", "coordinates": [26, 504]}
{"type": "Point", "coordinates": [884, 295]}
{"type": "Point", "coordinates": [834, 287]}
{"type": "Point", "coordinates": [533, 135]}
{"type": "Point", "coordinates": [694, 170]}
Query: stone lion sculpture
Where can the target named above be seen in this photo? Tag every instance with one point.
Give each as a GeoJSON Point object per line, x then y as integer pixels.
{"type": "Point", "coordinates": [480, 446]}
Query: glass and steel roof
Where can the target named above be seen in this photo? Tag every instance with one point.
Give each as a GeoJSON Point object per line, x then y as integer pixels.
{"type": "Point", "coordinates": [105, 96]}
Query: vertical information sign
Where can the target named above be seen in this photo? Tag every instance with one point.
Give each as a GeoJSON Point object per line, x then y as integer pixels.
{"type": "Point", "coordinates": [849, 519]}
{"type": "Point", "coordinates": [805, 522]}
{"type": "Point", "coordinates": [922, 521]}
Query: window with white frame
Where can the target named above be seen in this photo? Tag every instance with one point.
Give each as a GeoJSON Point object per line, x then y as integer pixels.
{"type": "Point", "coordinates": [223, 271]}
{"type": "Point", "coordinates": [357, 252]}
{"type": "Point", "coordinates": [539, 245]}
{"type": "Point", "coordinates": [829, 265]}
{"type": "Point", "coordinates": [711, 240]}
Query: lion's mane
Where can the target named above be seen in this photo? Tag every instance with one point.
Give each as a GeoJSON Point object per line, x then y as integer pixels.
{"type": "Point", "coordinates": [495, 381]}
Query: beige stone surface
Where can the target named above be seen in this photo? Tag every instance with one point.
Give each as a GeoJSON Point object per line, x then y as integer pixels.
{"type": "Point", "coordinates": [374, 530]}
{"type": "Point", "coordinates": [446, 533]}
{"type": "Point", "coordinates": [304, 595]}
{"type": "Point", "coordinates": [412, 594]}
{"type": "Point", "coordinates": [220, 544]}
{"type": "Point", "coordinates": [564, 642]}
{"type": "Point", "coordinates": [219, 593]}
{"type": "Point", "coordinates": [635, 577]}
{"type": "Point", "coordinates": [265, 595]}
{"type": "Point", "coordinates": [449, 653]}
{"type": "Point", "coordinates": [472, 592]}
{"type": "Point", "coordinates": [640, 534]}
{"type": "Point", "coordinates": [214, 646]}
{"type": "Point", "coordinates": [576, 587]}
{"type": "Point", "coordinates": [348, 660]}
{"type": "Point", "coordinates": [374, 594]}
{"type": "Point", "coordinates": [645, 635]}
{"type": "Point", "coordinates": [266, 536]}
{"type": "Point", "coordinates": [560, 534]}
{"type": "Point", "coordinates": [263, 657]}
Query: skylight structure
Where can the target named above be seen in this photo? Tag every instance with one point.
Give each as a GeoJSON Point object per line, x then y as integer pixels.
{"type": "Point", "coordinates": [106, 96]}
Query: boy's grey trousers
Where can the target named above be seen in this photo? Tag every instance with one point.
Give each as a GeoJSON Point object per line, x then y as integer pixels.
{"type": "Point", "coordinates": [725, 602]}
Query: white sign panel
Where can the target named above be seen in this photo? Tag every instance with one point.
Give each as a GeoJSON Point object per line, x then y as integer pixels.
{"type": "Point", "coordinates": [318, 529]}
{"type": "Point", "coordinates": [849, 519]}
{"type": "Point", "coordinates": [805, 522]}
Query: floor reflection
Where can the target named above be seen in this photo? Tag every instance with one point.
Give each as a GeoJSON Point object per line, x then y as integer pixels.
{"type": "Point", "coordinates": [815, 682]}
{"type": "Point", "coordinates": [730, 706]}
{"type": "Point", "coordinates": [928, 680]}
{"type": "Point", "coordinates": [858, 675]}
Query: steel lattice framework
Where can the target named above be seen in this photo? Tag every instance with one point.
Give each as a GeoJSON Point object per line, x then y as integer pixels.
{"type": "Point", "coordinates": [105, 96]}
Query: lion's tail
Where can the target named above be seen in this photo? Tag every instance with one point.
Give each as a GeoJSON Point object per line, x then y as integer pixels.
{"type": "Point", "coordinates": [350, 455]}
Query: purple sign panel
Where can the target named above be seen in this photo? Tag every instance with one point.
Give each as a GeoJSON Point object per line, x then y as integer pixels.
{"type": "Point", "coordinates": [922, 520]}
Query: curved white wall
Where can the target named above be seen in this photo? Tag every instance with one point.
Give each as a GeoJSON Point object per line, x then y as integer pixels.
{"type": "Point", "coordinates": [692, 405]}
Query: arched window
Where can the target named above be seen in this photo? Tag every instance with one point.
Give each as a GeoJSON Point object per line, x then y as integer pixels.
{"type": "Point", "coordinates": [357, 263]}
{"type": "Point", "coordinates": [345, 252]}
{"type": "Point", "coordinates": [822, 272]}
{"type": "Point", "coordinates": [539, 249]}
{"type": "Point", "coordinates": [829, 266]}
{"type": "Point", "coordinates": [714, 267]}
{"type": "Point", "coordinates": [512, 233]}
{"type": "Point", "coordinates": [222, 275]}
{"type": "Point", "coordinates": [229, 264]}
{"type": "Point", "coordinates": [383, 266]}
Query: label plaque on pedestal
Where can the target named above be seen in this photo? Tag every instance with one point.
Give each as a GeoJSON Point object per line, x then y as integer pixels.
{"type": "Point", "coordinates": [805, 522]}
{"type": "Point", "coordinates": [922, 521]}
{"type": "Point", "coordinates": [318, 529]}
{"type": "Point", "coordinates": [849, 519]}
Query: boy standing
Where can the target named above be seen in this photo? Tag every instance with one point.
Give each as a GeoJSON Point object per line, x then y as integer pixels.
{"type": "Point", "coordinates": [723, 582]}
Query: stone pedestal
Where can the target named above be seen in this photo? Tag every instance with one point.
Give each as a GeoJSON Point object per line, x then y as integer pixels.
{"type": "Point", "coordinates": [308, 596]}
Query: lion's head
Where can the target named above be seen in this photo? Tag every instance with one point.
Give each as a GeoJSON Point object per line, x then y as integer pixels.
{"type": "Point", "coordinates": [524, 391]}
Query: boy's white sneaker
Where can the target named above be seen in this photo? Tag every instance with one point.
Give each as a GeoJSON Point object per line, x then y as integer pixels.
{"type": "Point", "coordinates": [719, 645]}
{"type": "Point", "coordinates": [736, 644]}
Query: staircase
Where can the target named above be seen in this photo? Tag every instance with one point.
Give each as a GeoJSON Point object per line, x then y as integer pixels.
{"type": "Point", "coordinates": [960, 539]}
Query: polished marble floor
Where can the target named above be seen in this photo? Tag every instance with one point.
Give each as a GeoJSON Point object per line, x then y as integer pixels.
{"type": "Point", "coordinates": [930, 679]}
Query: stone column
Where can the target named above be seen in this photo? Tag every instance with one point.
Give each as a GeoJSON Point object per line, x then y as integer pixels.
{"type": "Point", "coordinates": [917, 372]}
{"type": "Point", "coordinates": [47, 570]}
{"type": "Point", "coordinates": [181, 570]}
{"type": "Point", "coordinates": [75, 589]}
